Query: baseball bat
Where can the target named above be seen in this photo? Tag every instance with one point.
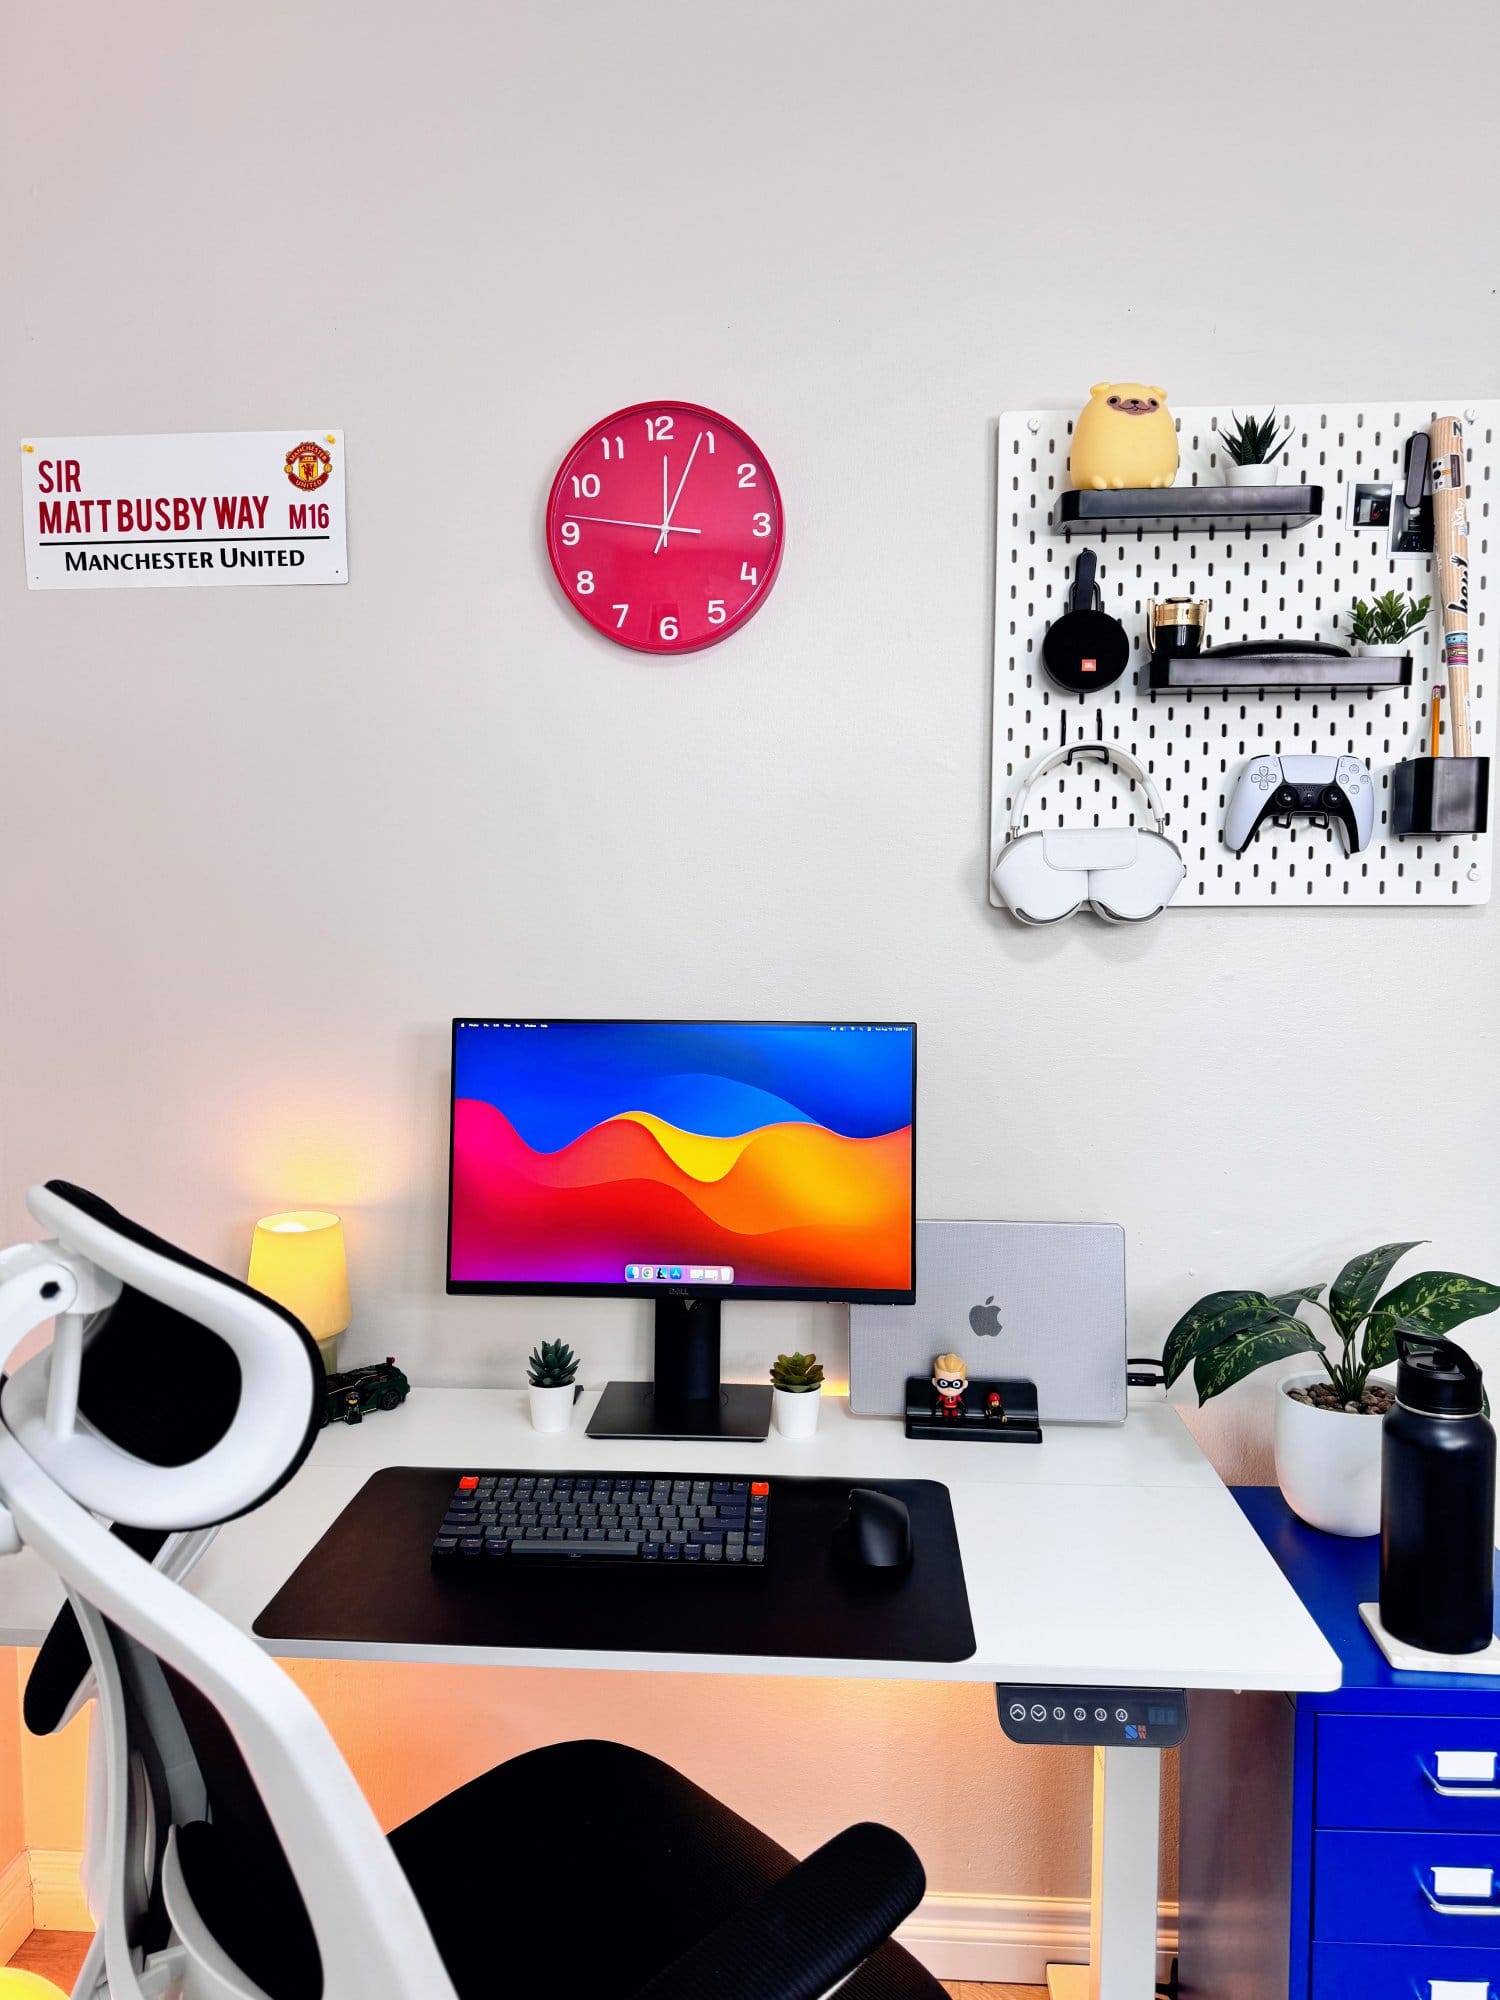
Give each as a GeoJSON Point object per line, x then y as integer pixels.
{"type": "Point", "coordinates": [1450, 525]}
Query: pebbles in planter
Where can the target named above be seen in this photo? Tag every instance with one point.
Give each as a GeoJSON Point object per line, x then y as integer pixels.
{"type": "Point", "coordinates": [1375, 1401]}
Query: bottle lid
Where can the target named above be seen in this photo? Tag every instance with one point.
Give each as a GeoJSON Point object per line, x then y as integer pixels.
{"type": "Point", "coordinates": [1437, 1378]}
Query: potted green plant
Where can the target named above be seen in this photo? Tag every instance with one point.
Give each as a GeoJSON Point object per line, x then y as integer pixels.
{"type": "Point", "coordinates": [796, 1385]}
{"type": "Point", "coordinates": [1384, 626]}
{"type": "Point", "coordinates": [1252, 448]}
{"type": "Point", "coordinates": [550, 1388]}
{"type": "Point", "coordinates": [1327, 1450]}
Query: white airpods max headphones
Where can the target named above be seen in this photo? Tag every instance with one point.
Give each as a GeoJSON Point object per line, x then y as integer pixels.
{"type": "Point", "coordinates": [1126, 874]}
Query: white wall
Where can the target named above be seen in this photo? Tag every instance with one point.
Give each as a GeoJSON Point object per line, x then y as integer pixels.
{"type": "Point", "coordinates": [256, 847]}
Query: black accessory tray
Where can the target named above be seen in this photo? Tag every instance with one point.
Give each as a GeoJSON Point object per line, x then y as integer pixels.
{"type": "Point", "coordinates": [1226, 507]}
{"type": "Point", "coordinates": [1236, 670]}
{"type": "Point", "coordinates": [1021, 1423]}
{"type": "Point", "coordinates": [1438, 795]}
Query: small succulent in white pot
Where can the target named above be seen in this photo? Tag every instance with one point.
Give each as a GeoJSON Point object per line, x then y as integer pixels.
{"type": "Point", "coordinates": [1384, 625]}
{"type": "Point", "coordinates": [550, 1374]}
{"type": "Point", "coordinates": [1327, 1452]}
{"type": "Point", "coordinates": [796, 1385]}
{"type": "Point", "coordinates": [1252, 448]}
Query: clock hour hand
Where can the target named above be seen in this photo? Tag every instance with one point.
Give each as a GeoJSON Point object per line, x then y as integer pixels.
{"type": "Point", "coordinates": [609, 521]}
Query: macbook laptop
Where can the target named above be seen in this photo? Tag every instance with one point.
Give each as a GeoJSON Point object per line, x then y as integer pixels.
{"type": "Point", "coordinates": [1042, 1300]}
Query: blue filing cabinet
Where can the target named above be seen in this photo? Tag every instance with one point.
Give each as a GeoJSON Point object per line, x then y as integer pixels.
{"type": "Point", "coordinates": [1318, 1830]}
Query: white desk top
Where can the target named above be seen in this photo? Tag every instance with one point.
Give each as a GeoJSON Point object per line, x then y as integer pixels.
{"type": "Point", "coordinates": [1102, 1555]}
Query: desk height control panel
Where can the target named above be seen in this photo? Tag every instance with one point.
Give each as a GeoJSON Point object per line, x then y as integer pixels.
{"type": "Point", "coordinates": [1152, 1718]}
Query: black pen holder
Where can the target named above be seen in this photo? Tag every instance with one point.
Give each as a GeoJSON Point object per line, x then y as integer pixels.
{"type": "Point", "coordinates": [1437, 795]}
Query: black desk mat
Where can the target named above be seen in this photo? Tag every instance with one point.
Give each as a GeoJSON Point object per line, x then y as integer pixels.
{"type": "Point", "coordinates": [369, 1581]}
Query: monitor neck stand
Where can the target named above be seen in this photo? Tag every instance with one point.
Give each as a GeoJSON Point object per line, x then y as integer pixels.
{"type": "Point", "coordinates": [686, 1398]}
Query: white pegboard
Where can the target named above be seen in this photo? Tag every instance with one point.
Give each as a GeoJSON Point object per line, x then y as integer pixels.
{"type": "Point", "coordinates": [1272, 583]}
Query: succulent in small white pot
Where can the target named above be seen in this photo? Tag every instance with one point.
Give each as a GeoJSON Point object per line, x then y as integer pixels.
{"type": "Point", "coordinates": [550, 1387]}
{"type": "Point", "coordinates": [1327, 1447]}
{"type": "Point", "coordinates": [1383, 627]}
{"type": "Point", "coordinates": [796, 1390]}
{"type": "Point", "coordinates": [1252, 450]}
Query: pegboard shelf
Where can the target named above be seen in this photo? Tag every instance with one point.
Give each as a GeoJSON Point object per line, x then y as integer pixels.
{"type": "Point", "coordinates": [1273, 583]}
{"type": "Point", "coordinates": [1252, 673]}
{"type": "Point", "coordinates": [1188, 507]}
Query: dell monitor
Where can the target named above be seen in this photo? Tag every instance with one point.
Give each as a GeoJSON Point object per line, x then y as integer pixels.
{"type": "Point", "coordinates": [687, 1162]}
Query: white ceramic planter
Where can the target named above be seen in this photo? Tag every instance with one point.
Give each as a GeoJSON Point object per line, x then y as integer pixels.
{"type": "Point", "coordinates": [551, 1409]}
{"type": "Point", "coordinates": [1251, 475]}
{"type": "Point", "coordinates": [796, 1411]}
{"type": "Point", "coordinates": [1392, 651]}
{"type": "Point", "coordinates": [1328, 1462]}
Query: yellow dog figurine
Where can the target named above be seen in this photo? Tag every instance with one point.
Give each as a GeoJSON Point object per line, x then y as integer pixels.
{"type": "Point", "coordinates": [1124, 436]}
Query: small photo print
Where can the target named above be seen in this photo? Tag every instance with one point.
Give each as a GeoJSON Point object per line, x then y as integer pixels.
{"type": "Point", "coordinates": [1369, 505]}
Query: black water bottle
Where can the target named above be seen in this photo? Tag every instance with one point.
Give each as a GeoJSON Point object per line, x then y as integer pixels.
{"type": "Point", "coordinates": [1437, 1502]}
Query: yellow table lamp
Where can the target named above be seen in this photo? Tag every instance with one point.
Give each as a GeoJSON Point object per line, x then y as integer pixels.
{"type": "Point", "coordinates": [298, 1260]}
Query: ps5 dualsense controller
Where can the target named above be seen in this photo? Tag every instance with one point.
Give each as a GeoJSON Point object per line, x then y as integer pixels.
{"type": "Point", "coordinates": [1281, 788]}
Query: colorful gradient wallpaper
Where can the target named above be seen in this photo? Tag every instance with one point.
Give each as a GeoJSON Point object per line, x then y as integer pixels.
{"type": "Point", "coordinates": [780, 1151]}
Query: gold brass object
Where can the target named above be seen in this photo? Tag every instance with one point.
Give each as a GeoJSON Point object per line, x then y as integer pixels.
{"type": "Point", "coordinates": [1175, 626]}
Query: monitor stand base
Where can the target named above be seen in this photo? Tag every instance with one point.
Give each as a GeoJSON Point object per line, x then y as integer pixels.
{"type": "Point", "coordinates": [741, 1412]}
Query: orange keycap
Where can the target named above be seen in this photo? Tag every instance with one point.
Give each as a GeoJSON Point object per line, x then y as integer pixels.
{"type": "Point", "coordinates": [759, 1488]}
{"type": "Point", "coordinates": [469, 1482]}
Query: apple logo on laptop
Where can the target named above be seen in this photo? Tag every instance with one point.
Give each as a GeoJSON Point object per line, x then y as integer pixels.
{"type": "Point", "coordinates": [985, 1319]}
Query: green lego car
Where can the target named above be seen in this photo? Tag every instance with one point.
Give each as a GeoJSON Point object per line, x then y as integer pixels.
{"type": "Point", "coordinates": [358, 1392]}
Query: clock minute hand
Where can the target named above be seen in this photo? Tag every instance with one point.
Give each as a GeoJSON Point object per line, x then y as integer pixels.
{"type": "Point", "coordinates": [609, 521]}
{"type": "Point", "coordinates": [666, 525]}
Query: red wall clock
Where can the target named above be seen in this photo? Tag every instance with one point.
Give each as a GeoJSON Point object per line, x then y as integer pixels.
{"type": "Point", "coordinates": [664, 527]}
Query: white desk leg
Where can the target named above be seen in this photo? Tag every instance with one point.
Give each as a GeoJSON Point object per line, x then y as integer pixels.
{"type": "Point", "coordinates": [1126, 1868]}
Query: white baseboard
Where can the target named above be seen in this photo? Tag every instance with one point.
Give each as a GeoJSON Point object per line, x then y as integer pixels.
{"type": "Point", "coordinates": [17, 1921]}
{"type": "Point", "coordinates": [1011, 1939]}
{"type": "Point", "coordinates": [57, 1890]}
{"type": "Point", "coordinates": [1004, 1939]}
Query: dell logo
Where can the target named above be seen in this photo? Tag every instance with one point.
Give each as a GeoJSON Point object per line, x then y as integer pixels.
{"type": "Point", "coordinates": [985, 1319]}
{"type": "Point", "coordinates": [677, 1291]}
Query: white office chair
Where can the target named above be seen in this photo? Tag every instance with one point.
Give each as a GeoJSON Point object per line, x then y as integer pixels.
{"type": "Point", "coordinates": [240, 1860]}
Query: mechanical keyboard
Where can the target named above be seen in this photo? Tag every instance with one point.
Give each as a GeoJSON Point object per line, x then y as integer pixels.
{"type": "Point", "coordinates": [606, 1519]}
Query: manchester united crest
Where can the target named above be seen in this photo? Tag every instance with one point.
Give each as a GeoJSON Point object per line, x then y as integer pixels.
{"type": "Point", "coordinates": [308, 466]}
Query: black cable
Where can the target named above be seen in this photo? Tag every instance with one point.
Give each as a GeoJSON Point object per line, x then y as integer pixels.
{"type": "Point", "coordinates": [1155, 1379]}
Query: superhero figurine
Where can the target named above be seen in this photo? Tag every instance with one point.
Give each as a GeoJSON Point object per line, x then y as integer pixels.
{"type": "Point", "coordinates": [950, 1378]}
{"type": "Point", "coordinates": [994, 1408]}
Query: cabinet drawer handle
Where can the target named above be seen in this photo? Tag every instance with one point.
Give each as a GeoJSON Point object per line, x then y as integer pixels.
{"type": "Point", "coordinates": [1462, 1774]}
{"type": "Point", "coordinates": [1453, 1989]}
{"type": "Point", "coordinates": [1475, 1885]}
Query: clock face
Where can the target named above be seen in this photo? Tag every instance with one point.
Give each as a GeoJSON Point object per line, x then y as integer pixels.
{"type": "Point", "coordinates": [664, 527]}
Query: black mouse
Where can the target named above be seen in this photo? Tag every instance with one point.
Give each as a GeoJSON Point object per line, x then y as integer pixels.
{"type": "Point", "coordinates": [877, 1534]}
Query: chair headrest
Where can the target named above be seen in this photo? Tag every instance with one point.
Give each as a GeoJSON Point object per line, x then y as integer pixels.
{"type": "Point", "coordinates": [198, 1397]}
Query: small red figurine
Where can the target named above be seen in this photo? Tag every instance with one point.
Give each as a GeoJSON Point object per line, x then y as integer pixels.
{"type": "Point", "coordinates": [950, 1378]}
{"type": "Point", "coordinates": [994, 1409]}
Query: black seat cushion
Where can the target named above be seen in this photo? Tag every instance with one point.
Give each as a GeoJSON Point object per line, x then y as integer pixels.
{"type": "Point", "coordinates": [586, 1868]}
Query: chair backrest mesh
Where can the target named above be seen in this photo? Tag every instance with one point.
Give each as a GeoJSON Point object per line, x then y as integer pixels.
{"type": "Point", "coordinates": [62, 1665]}
{"type": "Point", "coordinates": [235, 1868]}
{"type": "Point", "coordinates": [163, 1387]}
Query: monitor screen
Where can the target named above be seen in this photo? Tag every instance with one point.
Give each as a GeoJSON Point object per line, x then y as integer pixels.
{"type": "Point", "coordinates": [728, 1158]}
